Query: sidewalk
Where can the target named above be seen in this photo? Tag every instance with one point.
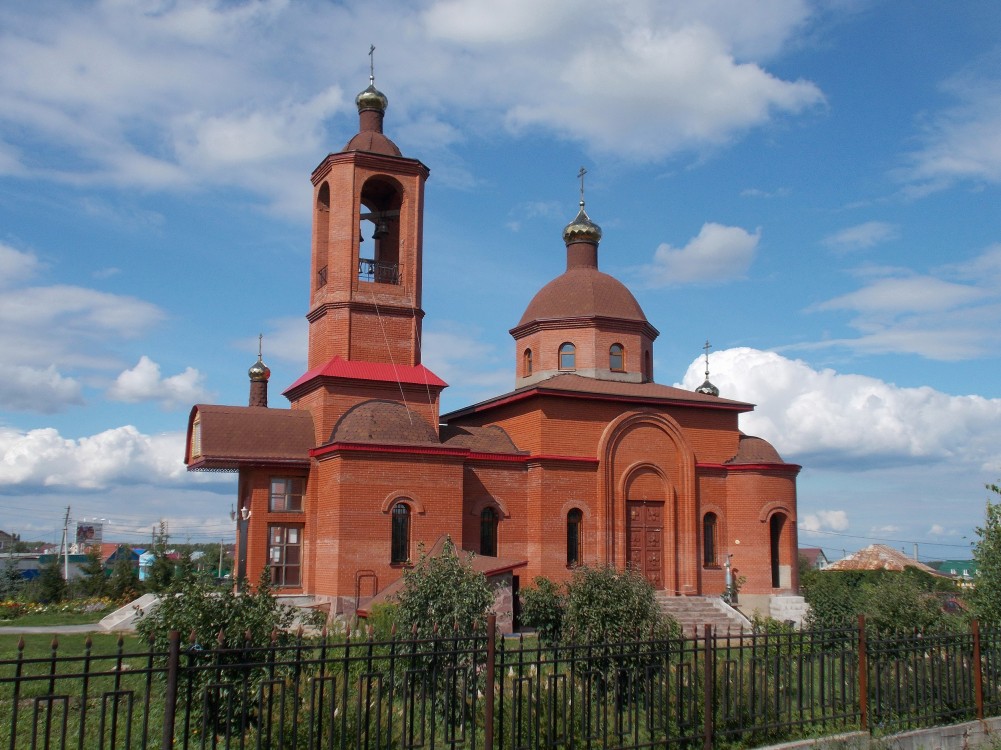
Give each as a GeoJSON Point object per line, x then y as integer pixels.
{"type": "Point", "coordinates": [55, 629]}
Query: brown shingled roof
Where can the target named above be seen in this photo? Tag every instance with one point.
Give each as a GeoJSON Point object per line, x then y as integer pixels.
{"type": "Point", "coordinates": [383, 422]}
{"type": "Point", "coordinates": [583, 292]}
{"type": "Point", "coordinates": [755, 450]}
{"type": "Point", "coordinates": [489, 439]}
{"type": "Point", "coordinates": [232, 436]}
{"type": "Point", "coordinates": [653, 393]}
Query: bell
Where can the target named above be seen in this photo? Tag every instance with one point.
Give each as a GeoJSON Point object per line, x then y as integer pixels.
{"type": "Point", "coordinates": [381, 230]}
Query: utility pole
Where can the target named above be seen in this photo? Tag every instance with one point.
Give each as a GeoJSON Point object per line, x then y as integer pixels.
{"type": "Point", "coordinates": [65, 546]}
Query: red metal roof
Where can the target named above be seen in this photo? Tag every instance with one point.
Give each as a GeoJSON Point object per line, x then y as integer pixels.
{"type": "Point", "coordinates": [380, 371]}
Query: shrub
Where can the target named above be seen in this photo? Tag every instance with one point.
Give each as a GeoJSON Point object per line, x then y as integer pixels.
{"type": "Point", "coordinates": [443, 591]}
{"type": "Point", "coordinates": [595, 604]}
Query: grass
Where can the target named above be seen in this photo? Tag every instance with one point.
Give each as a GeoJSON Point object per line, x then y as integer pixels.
{"type": "Point", "coordinates": [34, 619]}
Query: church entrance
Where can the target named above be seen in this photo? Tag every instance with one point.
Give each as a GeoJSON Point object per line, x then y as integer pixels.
{"type": "Point", "coordinates": [646, 539]}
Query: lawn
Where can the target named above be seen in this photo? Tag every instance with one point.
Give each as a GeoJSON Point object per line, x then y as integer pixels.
{"type": "Point", "coordinates": [33, 619]}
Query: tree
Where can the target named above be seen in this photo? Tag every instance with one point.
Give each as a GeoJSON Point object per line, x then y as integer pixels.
{"type": "Point", "coordinates": [11, 580]}
{"type": "Point", "coordinates": [123, 584]}
{"type": "Point", "coordinates": [986, 595]}
{"type": "Point", "coordinates": [51, 584]}
{"type": "Point", "coordinates": [161, 572]}
{"type": "Point", "coordinates": [443, 591]}
{"type": "Point", "coordinates": [94, 580]}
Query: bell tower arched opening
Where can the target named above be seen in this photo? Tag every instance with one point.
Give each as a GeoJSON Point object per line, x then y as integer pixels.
{"type": "Point", "coordinates": [379, 231]}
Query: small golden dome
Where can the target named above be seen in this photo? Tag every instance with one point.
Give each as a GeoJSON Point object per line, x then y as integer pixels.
{"type": "Point", "coordinates": [372, 98]}
{"type": "Point", "coordinates": [582, 229]}
{"type": "Point", "coordinates": [259, 371]}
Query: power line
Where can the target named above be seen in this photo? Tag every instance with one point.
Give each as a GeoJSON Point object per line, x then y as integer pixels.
{"type": "Point", "coordinates": [881, 539]}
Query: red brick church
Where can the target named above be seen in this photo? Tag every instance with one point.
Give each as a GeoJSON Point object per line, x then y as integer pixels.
{"type": "Point", "coordinates": [587, 461]}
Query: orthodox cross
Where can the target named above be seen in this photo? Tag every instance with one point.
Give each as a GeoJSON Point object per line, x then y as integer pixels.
{"type": "Point", "coordinates": [707, 347]}
{"type": "Point", "coordinates": [371, 63]}
{"type": "Point", "coordinates": [581, 174]}
{"type": "Point", "coordinates": [260, 344]}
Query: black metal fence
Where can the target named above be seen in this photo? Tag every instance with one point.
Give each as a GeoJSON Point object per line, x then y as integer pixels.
{"type": "Point", "coordinates": [483, 691]}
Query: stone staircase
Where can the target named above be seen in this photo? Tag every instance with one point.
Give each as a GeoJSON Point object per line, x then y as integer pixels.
{"type": "Point", "coordinates": [694, 612]}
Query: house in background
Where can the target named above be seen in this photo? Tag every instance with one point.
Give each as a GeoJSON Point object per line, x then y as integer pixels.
{"type": "Point", "coordinates": [814, 557]}
{"type": "Point", "coordinates": [963, 571]}
{"type": "Point", "coordinates": [587, 460]}
{"type": "Point", "coordinates": [880, 557]}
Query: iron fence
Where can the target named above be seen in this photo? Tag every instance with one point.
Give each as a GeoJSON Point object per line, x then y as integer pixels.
{"type": "Point", "coordinates": [467, 692]}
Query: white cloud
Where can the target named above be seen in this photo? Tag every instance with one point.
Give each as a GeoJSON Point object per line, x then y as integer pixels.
{"type": "Point", "coordinates": [718, 253]}
{"type": "Point", "coordinates": [16, 266]}
{"type": "Point", "coordinates": [824, 418]}
{"type": "Point", "coordinates": [43, 458]}
{"type": "Point", "coordinates": [144, 383]}
{"type": "Point", "coordinates": [824, 520]}
{"type": "Point", "coordinates": [951, 314]}
{"type": "Point", "coordinates": [473, 369]}
{"type": "Point", "coordinates": [43, 391]}
{"type": "Point", "coordinates": [70, 325]}
{"type": "Point", "coordinates": [195, 94]}
{"type": "Point", "coordinates": [962, 143]}
{"type": "Point", "coordinates": [862, 236]}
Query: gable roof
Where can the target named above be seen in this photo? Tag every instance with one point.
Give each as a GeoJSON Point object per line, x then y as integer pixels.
{"type": "Point", "coordinates": [233, 436]}
{"type": "Point", "coordinates": [368, 371]}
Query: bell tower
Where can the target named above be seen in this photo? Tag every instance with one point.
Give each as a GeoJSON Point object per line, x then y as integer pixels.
{"type": "Point", "coordinates": [368, 211]}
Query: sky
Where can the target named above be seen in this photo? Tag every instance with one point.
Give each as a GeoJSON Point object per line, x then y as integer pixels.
{"type": "Point", "coordinates": [811, 186]}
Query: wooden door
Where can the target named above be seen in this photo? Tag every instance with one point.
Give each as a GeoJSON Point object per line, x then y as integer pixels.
{"type": "Point", "coordinates": [646, 539]}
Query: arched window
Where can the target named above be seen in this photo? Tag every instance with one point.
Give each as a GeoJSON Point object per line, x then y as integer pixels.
{"type": "Point", "coordinates": [647, 369]}
{"type": "Point", "coordinates": [400, 548]}
{"type": "Point", "coordinates": [568, 356]}
{"type": "Point", "coordinates": [616, 358]}
{"type": "Point", "coordinates": [709, 539]}
{"type": "Point", "coordinates": [488, 532]}
{"type": "Point", "coordinates": [527, 363]}
{"type": "Point", "coordinates": [574, 521]}
{"type": "Point", "coordinates": [776, 525]}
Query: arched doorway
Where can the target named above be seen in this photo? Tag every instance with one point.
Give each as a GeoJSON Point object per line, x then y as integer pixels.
{"type": "Point", "coordinates": [645, 522]}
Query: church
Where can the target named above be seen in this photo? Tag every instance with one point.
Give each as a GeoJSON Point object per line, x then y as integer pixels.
{"type": "Point", "coordinates": [587, 461]}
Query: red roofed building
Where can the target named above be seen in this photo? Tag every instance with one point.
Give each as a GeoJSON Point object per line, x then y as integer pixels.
{"type": "Point", "coordinates": [586, 461]}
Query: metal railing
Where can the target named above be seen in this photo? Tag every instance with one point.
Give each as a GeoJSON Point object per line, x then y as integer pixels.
{"type": "Point", "coordinates": [466, 692]}
{"type": "Point", "coordinates": [377, 271]}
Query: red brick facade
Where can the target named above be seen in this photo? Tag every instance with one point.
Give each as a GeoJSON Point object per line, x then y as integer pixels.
{"type": "Point", "coordinates": [588, 461]}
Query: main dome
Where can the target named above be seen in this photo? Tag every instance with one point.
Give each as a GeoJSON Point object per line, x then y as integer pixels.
{"type": "Point", "coordinates": [583, 292]}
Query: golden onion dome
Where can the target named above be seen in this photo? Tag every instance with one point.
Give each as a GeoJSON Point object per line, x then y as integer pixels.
{"type": "Point", "coordinates": [372, 98]}
{"type": "Point", "coordinates": [582, 229]}
{"type": "Point", "coordinates": [259, 371]}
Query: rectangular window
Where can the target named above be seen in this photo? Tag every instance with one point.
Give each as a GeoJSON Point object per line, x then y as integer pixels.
{"type": "Point", "coordinates": [196, 437]}
{"type": "Point", "coordinates": [285, 555]}
{"type": "Point", "coordinates": [286, 494]}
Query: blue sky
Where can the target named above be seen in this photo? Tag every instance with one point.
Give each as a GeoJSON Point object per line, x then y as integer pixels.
{"type": "Point", "coordinates": [813, 186]}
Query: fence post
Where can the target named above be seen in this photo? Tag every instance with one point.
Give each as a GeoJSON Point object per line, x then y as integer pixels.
{"type": "Point", "coordinates": [488, 692]}
{"type": "Point", "coordinates": [170, 698]}
{"type": "Point", "coordinates": [978, 674]}
{"type": "Point", "coordinates": [863, 675]}
{"type": "Point", "coordinates": [709, 690]}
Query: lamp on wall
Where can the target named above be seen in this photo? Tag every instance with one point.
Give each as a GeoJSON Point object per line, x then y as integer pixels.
{"type": "Point", "coordinates": [245, 513]}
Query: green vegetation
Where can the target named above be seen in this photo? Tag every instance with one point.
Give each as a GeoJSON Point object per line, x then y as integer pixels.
{"type": "Point", "coordinates": [443, 591]}
{"type": "Point", "coordinates": [596, 603]}
{"type": "Point", "coordinates": [986, 594]}
{"type": "Point", "coordinates": [893, 602]}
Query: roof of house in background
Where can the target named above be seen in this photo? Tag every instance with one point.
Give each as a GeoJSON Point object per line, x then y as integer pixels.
{"type": "Point", "coordinates": [812, 555]}
{"type": "Point", "coordinates": [880, 557]}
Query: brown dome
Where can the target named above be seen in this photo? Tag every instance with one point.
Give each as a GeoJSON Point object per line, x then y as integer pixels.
{"type": "Point", "coordinates": [755, 450]}
{"type": "Point", "coordinates": [384, 422]}
{"type": "Point", "coordinates": [583, 292]}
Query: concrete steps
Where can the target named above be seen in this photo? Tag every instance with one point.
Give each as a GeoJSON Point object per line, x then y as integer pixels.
{"type": "Point", "coordinates": [694, 612]}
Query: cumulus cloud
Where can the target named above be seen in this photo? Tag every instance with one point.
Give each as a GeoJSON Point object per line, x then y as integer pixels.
{"type": "Point", "coordinates": [144, 383]}
{"type": "Point", "coordinates": [197, 94]}
{"type": "Point", "coordinates": [474, 370]}
{"type": "Point", "coordinates": [862, 236]}
{"type": "Point", "coordinates": [824, 520]}
{"type": "Point", "coordinates": [825, 418]}
{"type": "Point", "coordinates": [44, 459]}
{"type": "Point", "coordinates": [43, 391]}
{"type": "Point", "coordinates": [718, 253]}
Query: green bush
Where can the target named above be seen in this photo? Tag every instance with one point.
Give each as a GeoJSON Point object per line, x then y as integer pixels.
{"type": "Point", "coordinates": [443, 591]}
{"type": "Point", "coordinates": [542, 608]}
{"type": "Point", "coordinates": [595, 604]}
